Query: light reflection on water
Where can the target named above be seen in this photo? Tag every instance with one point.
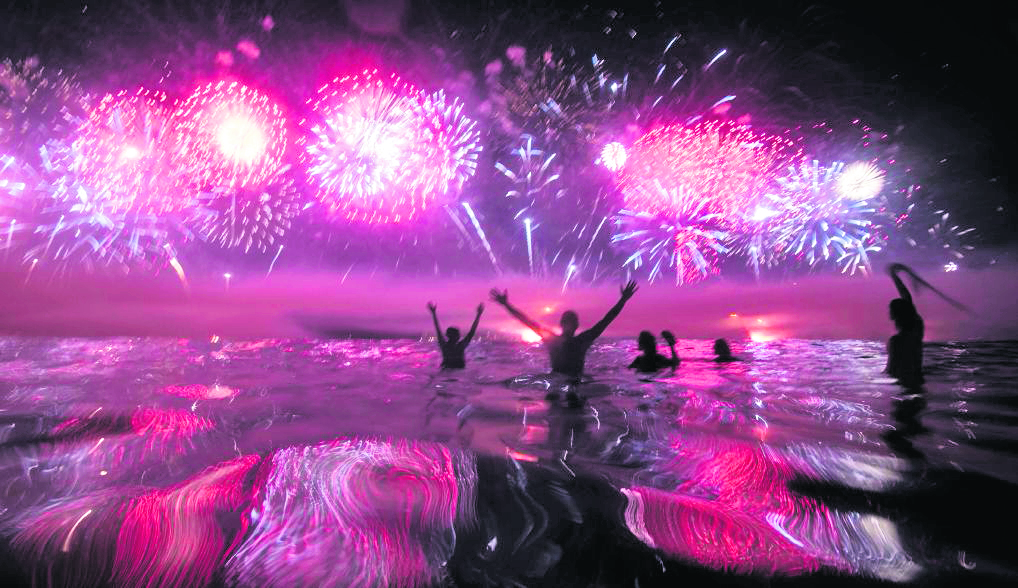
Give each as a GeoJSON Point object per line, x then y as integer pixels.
{"type": "Point", "coordinates": [269, 463]}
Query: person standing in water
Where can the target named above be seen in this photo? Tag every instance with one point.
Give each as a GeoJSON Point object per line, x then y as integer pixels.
{"type": "Point", "coordinates": [723, 352]}
{"type": "Point", "coordinates": [905, 348]}
{"type": "Point", "coordinates": [454, 349]}
{"type": "Point", "coordinates": [652, 361]}
{"type": "Point", "coordinates": [568, 350]}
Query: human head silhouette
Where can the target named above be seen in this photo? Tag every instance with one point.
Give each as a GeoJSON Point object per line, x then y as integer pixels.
{"type": "Point", "coordinates": [647, 343]}
{"type": "Point", "coordinates": [452, 334]}
{"type": "Point", "coordinates": [903, 313]}
{"type": "Point", "coordinates": [722, 349]}
{"type": "Point", "coordinates": [569, 322]}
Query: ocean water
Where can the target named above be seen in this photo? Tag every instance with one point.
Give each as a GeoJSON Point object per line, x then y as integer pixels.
{"type": "Point", "coordinates": [160, 462]}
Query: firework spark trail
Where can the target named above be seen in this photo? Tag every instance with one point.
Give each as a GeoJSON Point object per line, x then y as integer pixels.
{"type": "Point", "coordinates": [949, 236]}
{"type": "Point", "coordinates": [480, 233]}
{"type": "Point", "coordinates": [273, 263]}
{"type": "Point", "coordinates": [530, 244]}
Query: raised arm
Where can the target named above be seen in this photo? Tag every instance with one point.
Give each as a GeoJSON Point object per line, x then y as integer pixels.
{"type": "Point", "coordinates": [893, 270]}
{"type": "Point", "coordinates": [434, 317]}
{"type": "Point", "coordinates": [670, 339]}
{"type": "Point", "coordinates": [503, 299]}
{"type": "Point", "coordinates": [473, 327]}
{"type": "Point", "coordinates": [626, 293]}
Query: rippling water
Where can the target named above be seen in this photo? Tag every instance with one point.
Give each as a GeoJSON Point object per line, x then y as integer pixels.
{"type": "Point", "coordinates": [152, 462]}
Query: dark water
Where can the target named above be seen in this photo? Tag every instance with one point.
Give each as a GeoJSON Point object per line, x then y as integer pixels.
{"type": "Point", "coordinates": [148, 462]}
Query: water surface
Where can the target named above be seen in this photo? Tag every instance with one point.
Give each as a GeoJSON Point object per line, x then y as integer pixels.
{"type": "Point", "coordinates": [163, 462]}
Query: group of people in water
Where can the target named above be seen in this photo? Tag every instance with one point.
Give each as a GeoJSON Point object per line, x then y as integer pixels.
{"type": "Point", "coordinates": [568, 349]}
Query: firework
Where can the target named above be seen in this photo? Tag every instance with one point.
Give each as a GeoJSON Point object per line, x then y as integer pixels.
{"type": "Point", "coordinates": [825, 225]}
{"type": "Point", "coordinates": [455, 143]}
{"type": "Point", "coordinates": [948, 236]}
{"type": "Point", "coordinates": [383, 152]}
{"type": "Point", "coordinates": [613, 156]}
{"type": "Point", "coordinates": [248, 219]}
{"type": "Point", "coordinates": [860, 181]}
{"type": "Point", "coordinates": [37, 105]}
{"type": "Point", "coordinates": [233, 136]}
{"type": "Point", "coordinates": [535, 177]}
{"type": "Point", "coordinates": [723, 164]}
{"type": "Point", "coordinates": [125, 154]}
{"type": "Point", "coordinates": [539, 96]}
{"type": "Point", "coordinates": [691, 241]}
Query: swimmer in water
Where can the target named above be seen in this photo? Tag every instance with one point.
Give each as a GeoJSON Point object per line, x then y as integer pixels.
{"type": "Point", "coordinates": [905, 348]}
{"type": "Point", "coordinates": [568, 350]}
{"type": "Point", "coordinates": [453, 348]}
{"type": "Point", "coordinates": [652, 361]}
{"type": "Point", "coordinates": [723, 352]}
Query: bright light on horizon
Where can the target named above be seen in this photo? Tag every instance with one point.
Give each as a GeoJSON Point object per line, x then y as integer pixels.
{"type": "Point", "coordinates": [529, 336]}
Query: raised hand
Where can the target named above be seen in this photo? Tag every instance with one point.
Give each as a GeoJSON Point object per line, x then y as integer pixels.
{"type": "Point", "coordinates": [432, 307]}
{"type": "Point", "coordinates": [500, 297]}
{"type": "Point", "coordinates": [480, 308]}
{"type": "Point", "coordinates": [668, 337]}
{"type": "Point", "coordinates": [628, 291]}
{"type": "Point", "coordinates": [897, 267]}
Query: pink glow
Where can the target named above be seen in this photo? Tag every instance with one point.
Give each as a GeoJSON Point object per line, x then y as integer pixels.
{"type": "Point", "coordinates": [712, 534]}
{"type": "Point", "coordinates": [820, 307]}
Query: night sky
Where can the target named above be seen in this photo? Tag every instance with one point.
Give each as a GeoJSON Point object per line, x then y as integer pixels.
{"type": "Point", "coordinates": [942, 72]}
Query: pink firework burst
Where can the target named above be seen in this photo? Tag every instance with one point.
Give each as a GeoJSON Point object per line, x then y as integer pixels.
{"type": "Point", "coordinates": [720, 162]}
{"type": "Point", "coordinates": [233, 136]}
{"type": "Point", "coordinates": [125, 152]}
{"type": "Point", "coordinates": [383, 152]}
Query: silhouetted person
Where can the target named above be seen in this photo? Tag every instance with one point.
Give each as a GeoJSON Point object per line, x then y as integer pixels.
{"type": "Point", "coordinates": [905, 349]}
{"type": "Point", "coordinates": [567, 350]}
{"type": "Point", "coordinates": [723, 351]}
{"type": "Point", "coordinates": [652, 361]}
{"type": "Point", "coordinates": [452, 347]}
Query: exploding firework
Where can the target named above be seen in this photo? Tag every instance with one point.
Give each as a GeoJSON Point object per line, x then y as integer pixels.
{"type": "Point", "coordinates": [125, 155]}
{"type": "Point", "coordinates": [537, 196]}
{"type": "Point", "coordinates": [860, 181]}
{"type": "Point", "coordinates": [535, 178]}
{"type": "Point", "coordinates": [233, 136]}
{"type": "Point", "coordinates": [949, 237]}
{"type": "Point", "coordinates": [825, 225]}
{"type": "Point", "coordinates": [248, 218]}
{"type": "Point", "coordinates": [720, 163]}
{"type": "Point", "coordinates": [74, 224]}
{"type": "Point", "coordinates": [382, 152]}
{"type": "Point", "coordinates": [37, 105]}
{"type": "Point", "coordinates": [690, 241]}
{"type": "Point", "coordinates": [538, 95]}
{"type": "Point", "coordinates": [455, 143]}
{"type": "Point", "coordinates": [613, 156]}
